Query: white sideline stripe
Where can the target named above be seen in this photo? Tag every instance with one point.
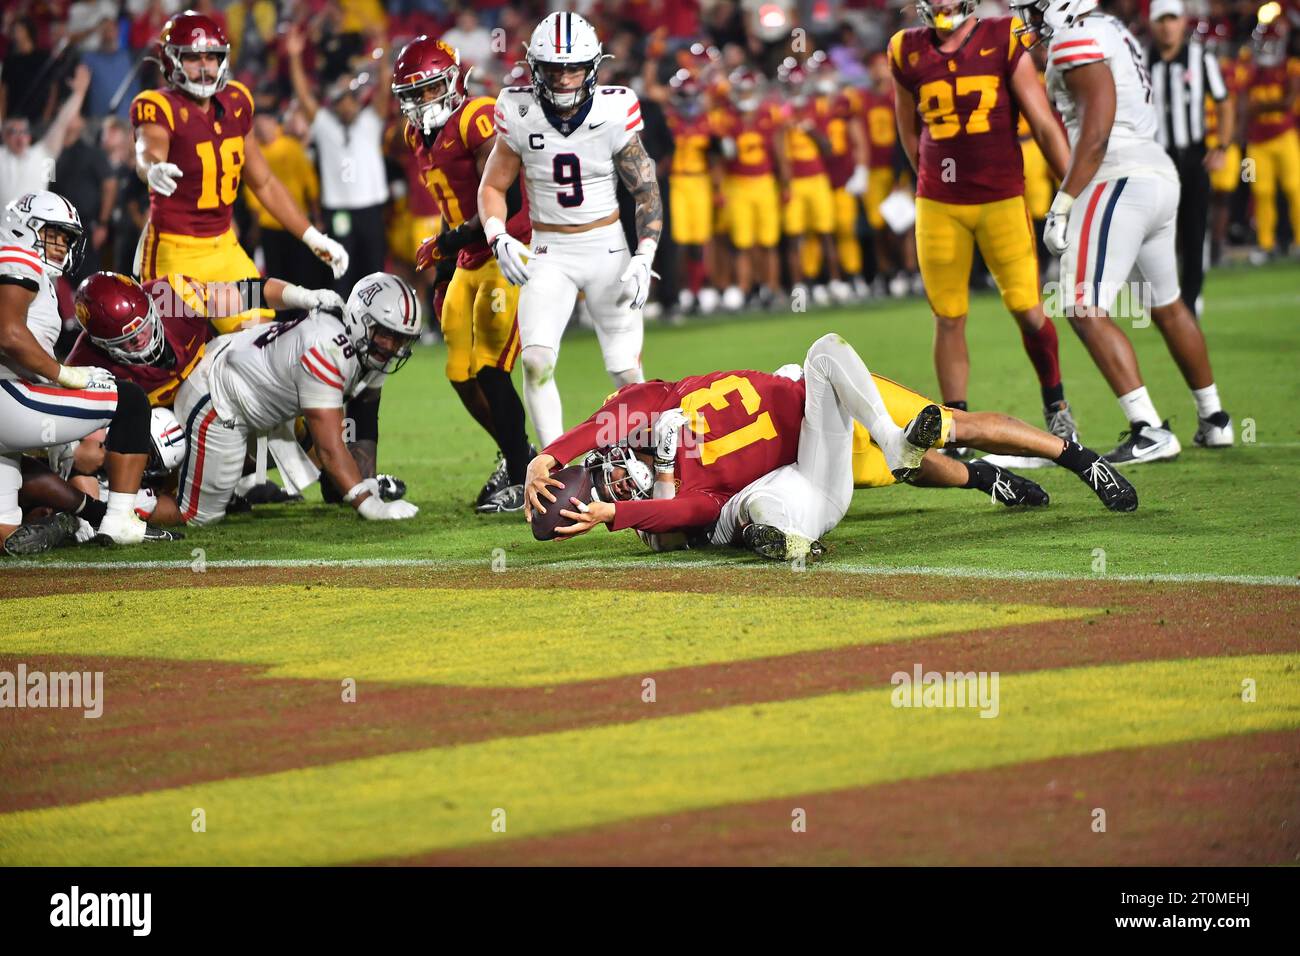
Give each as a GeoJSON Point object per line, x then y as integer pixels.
{"type": "Point", "coordinates": [991, 574]}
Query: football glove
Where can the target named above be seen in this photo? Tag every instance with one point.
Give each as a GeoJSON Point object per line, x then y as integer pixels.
{"type": "Point", "coordinates": [373, 509]}
{"type": "Point", "coordinates": [857, 183]}
{"type": "Point", "coordinates": [162, 178]}
{"type": "Point", "coordinates": [296, 297]}
{"type": "Point", "coordinates": [667, 436]}
{"type": "Point", "coordinates": [84, 376]}
{"type": "Point", "coordinates": [1056, 224]}
{"type": "Point", "coordinates": [637, 276]}
{"type": "Point", "coordinates": [327, 250]}
{"type": "Point", "coordinates": [512, 255]}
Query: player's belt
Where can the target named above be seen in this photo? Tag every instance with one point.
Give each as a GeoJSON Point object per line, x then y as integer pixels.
{"type": "Point", "coordinates": [585, 227]}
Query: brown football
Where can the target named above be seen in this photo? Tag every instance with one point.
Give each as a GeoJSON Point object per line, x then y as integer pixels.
{"type": "Point", "coordinates": [577, 484]}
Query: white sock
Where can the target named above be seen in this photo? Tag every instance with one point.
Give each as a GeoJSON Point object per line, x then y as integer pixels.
{"type": "Point", "coordinates": [119, 503]}
{"type": "Point", "coordinates": [541, 394]}
{"type": "Point", "coordinates": [1138, 407]}
{"type": "Point", "coordinates": [1207, 400]}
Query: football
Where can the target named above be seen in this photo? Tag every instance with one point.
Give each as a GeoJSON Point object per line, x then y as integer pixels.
{"type": "Point", "coordinates": [577, 484]}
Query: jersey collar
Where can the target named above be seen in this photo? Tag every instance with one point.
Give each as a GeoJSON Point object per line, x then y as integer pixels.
{"type": "Point", "coordinates": [566, 126]}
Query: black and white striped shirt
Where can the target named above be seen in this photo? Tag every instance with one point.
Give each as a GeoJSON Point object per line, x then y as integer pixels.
{"type": "Point", "coordinates": [1178, 89]}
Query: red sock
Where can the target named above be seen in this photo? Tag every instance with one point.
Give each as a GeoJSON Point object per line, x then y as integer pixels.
{"type": "Point", "coordinates": [695, 274]}
{"type": "Point", "coordinates": [1042, 348]}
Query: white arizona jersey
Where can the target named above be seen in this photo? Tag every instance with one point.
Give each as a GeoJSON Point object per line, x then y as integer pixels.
{"type": "Point", "coordinates": [1133, 148]}
{"type": "Point", "coordinates": [269, 374]}
{"type": "Point", "coordinates": [21, 266]}
{"type": "Point", "coordinates": [569, 164]}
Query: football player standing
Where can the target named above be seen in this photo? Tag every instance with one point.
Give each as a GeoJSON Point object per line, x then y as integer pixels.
{"type": "Point", "coordinates": [574, 140]}
{"type": "Point", "coordinates": [451, 136]}
{"type": "Point", "coordinates": [959, 81]}
{"type": "Point", "coordinates": [193, 149]}
{"type": "Point", "coordinates": [1126, 214]}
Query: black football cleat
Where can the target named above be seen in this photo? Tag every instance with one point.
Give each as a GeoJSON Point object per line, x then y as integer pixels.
{"type": "Point", "coordinates": [391, 488]}
{"type": "Point", "coordinates": [1008, 488]}
{"type": "Point", "coordinates": [269, 493]}
{"type": "Point", "coordinates": [769, 541]}
{"type": "Point", "coordinates": [508, 499]}
{"type": "Point", "coordinates": [1060, 421]}
{"type": "Point", "coordinates": [41, 535]}
{"type": "Point", "coordinates": [1110, 486]}
{"type": "Point", "coordinates": [922, 433]}
{"type": "Point", "coordinates": [496, 481]}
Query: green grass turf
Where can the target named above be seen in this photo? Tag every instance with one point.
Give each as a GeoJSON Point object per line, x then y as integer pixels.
{"type": "Point", "coordinates": [1217, 513]}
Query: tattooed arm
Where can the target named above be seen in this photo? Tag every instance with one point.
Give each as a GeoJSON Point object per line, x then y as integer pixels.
{"type": "Point", "coordinates": [637, 171]}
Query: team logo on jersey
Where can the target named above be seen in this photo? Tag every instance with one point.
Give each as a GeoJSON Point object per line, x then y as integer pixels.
{"type": "Point", "coordinates": [185, 114]}
{"type": "Point", "coordinates": [523, 109]}
{"type": "Point", "coordinates": [217, 127]}
{"type": "Point", "coordinates": [367, 295]}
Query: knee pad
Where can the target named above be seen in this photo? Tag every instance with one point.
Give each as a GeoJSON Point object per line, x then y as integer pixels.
{"type": "Point", "coordinates": [538, 362]}
{"type": "Point", "coordinates": [128, 432]}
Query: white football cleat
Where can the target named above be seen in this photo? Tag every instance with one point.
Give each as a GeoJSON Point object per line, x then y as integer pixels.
{"type": "Point", "coordinates": [899, 286]}
{"type": "Point", "coordinates": [1215, 431]}
{"type": "Point", "coordinates": [733, 300]}
{"type": "Point", "coordinates": [861, 289]}
{"type": "Point", "coordinates": [126, 528]}
{"type": "Point", "coordinates": [686, 300]}
{"type": "Point", "coordinates": [708, 300]}
{"type": "Point", "coordinates": [841, 291]}
{"type": "Point", "coordinates": [820, 295]}
{"type": "Point", "coordinates": [1143, 443]}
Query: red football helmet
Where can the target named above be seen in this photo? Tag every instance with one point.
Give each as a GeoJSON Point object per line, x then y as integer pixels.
{"type": "Point", "coordinates": [1269, 39]}
{"type": "Point", "coordinates": [120, 317]}
{"type": "Point", "coordinates": [746, 88]}
{"type": "Point", "coordinates": [687, 93]}
{"type": "Point", "coordinates": [190, 33]}
{"type": "Point", "coordinates": [428, 66]}
{"type": "Point", "coordinates": [797, 78]}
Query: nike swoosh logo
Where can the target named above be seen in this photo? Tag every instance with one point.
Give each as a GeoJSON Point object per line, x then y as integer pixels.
{"type": "Point", "coordinates": [991, 49]}
{"type": "Point", "coordinates": [615, 250]}
{"type": "Point", "coordinates": [601, 123]}
{"type": "Point", "coordinates": [448, 144]}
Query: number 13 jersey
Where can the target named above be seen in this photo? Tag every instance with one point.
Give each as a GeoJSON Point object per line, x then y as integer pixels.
{"type": "Point", "coordinates": [1097, 38]}
{"type": "Point", "coordinates": [569, 163]}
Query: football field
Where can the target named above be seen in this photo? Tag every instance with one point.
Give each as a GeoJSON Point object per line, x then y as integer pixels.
{"type": "Point", "coordinates": [298, 686]}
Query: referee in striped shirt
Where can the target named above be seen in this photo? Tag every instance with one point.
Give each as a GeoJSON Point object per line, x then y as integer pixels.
{"type": "Point", "coordinates": [1183, 73]}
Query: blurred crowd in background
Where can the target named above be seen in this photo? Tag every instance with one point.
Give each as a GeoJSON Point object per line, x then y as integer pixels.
{"type": "Point", "coordinates": [77, 118]}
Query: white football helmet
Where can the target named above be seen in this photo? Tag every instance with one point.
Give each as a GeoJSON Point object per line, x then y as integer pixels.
{"type": "Point", "coordinates": [382, 319]}
{"type": "Point", "coordinates": [564, 39]}
{"type": "Point", "coordinates": [25, 219]}
{"type": "Point", "coordinates": [617, 474]}
{"type": "Point", "coordinates": [1044, 17]}
{"type": "Point", "coordinates": [169, 444]}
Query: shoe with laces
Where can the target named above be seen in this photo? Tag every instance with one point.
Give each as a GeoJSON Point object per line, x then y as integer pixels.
{"type": "Point", "coordinates": [1143, 443]}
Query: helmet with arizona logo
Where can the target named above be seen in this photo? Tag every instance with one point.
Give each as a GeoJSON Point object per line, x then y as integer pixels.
{"type": "Point", "coordinates": [563, 41]}
{"type": "Point", "coordinates": [191, 33]}
{"type": "Point", "coordinates": [428, 83]}
{"type": "Point", "coordinates": [120, 318]}
{"type": "Point", "coordinates": [169, 443]}
{"type": "Point", "coordinates": [28, 220]}
{"type": "Point", "coordinates": [382, 320]}
{"type": "Point", "coordinates": [617, 474]}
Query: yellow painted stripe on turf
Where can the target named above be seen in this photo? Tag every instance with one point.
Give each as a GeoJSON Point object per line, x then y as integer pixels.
{"type": "Point", "coordinates": [417, 802]}
{"type": "Point", "coordinates": [488, 637]}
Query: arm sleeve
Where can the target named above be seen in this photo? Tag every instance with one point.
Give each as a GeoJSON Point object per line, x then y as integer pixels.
{"type": "Point", "coordinates": [629, 408]}
{"type": "Point", "coordinates": [1074, 48]}
{"type": "Point", "coordinates": [695, 510]}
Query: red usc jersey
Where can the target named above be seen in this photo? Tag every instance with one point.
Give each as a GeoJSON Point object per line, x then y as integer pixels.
{"type": "Point", "coordinates": [882, 128]}
{"type": "Point", "coordinates": [208, 146]}
{"type": "Point", "coordinates": [801, 144]}
{"type": "Point", "coordinates": [746, 424]}
{"type": "Point", "coordinates": [753, 134]}
{"type": "Point", "coordinates": [691, 138]}
{"type": "Point", "coordinates": [833, 115]}
{"type": "Point", "coordinates": [969, 152]}
{"type": "Point", "coordinates": [1268, 84]}
{"type": "Point", "coordinates": [447, 166]}
{"type": "Point", "coordinates": [180, 302]}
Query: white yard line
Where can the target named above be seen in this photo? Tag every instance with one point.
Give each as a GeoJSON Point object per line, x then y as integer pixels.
{"type": "Point", "coordinates": [616, 564]}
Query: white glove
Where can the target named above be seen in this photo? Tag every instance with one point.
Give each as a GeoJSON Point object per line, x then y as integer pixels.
{"type": "Point", "coordinates": [84, 376]}
{"type": "Point", "coordinates": [638, 274]}
{"type": "Point", "coordinates": [162, 178]}
{"type": "Point", "coordinates": [373, 509]}
{"type": "Point", "coordinates": [857, 183]}
{"type": "Point", "coordinates": [327, 250]}
{"type": "Point", "coordinates": [1058, 219]}
{"type": "Point", "coordinates": [296, 297]}
{"type": "Point", "coordinates": [791, 371]}
{"type": "Point", "coordinates": [667, 435]}
{"type": "Point", "coordinates": [512, 256]}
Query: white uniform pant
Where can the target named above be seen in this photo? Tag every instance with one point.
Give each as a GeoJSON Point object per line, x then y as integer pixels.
{"type": "Point", "coordinates": [34, 416]}
{"type": "Point", "coordinates": [1115, 225]}
{"type": "Point", "coordinates": [811, 496]}
{"type": "Point", "coordinates": [561, 266]}
{"type": "Point", "coordinates": [214, 461]}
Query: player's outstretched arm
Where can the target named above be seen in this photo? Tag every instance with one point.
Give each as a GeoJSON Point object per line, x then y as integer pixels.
{"type": "Point", "coordinates": [326, 427]}
{"type": "Point", "coordinates": [1032, 101]}
{"type": "Point", "coordinates": [637, 171]}
{"type": "Point", "coordinates": [19, 349]}
{"type": "Point", "coordinates": [294, 44]}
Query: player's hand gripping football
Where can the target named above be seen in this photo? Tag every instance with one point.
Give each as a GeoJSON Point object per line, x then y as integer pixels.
{"type": "Point", "coordinates": [327, 250]}
{"type": "Point", "coordinates": [585, 516]}
{"type": "Point", "coordinates": [537, 485]}
{"type": "Point", "coordinates": [1056, 224]}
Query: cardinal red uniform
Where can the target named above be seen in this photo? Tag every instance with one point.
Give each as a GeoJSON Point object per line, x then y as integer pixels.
{"type": "Point", "coordinates": [752, 208]}
{"type": "Point", "coordinates": [970, 176]}
{"type": "Point", "coordinates": [179, 301]}
{"type": "Point", "coordinates": [746, 424]}
{"type": "Point", "coordinates": [478, 331]}
{"type": "Point", "coordinates": [189, 232]}
{"type": "Point", "coordinates": [690, 189]}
